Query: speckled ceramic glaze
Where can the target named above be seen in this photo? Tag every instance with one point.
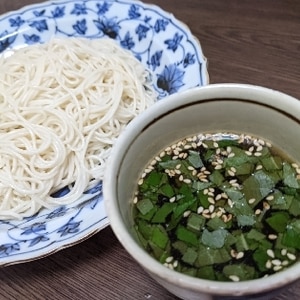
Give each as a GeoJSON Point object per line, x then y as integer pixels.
{"type": "Point", "coordinates": [163, 44]}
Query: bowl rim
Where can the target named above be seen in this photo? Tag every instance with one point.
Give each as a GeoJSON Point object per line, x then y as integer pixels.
{"type": "Point", "coordinates": [213, 91]}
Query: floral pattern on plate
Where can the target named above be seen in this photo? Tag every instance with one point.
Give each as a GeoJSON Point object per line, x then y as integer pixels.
{"type": "Point", "coordinates": [162, 43]}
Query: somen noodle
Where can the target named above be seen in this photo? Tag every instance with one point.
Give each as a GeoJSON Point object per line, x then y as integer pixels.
{"type": "Point", "coordinates": [62, 105]}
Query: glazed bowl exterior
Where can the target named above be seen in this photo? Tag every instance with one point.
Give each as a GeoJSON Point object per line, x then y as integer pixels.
{"type": "Point", "coordinates": [254, 110]}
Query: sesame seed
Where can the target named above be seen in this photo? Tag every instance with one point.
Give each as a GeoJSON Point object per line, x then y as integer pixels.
{"type": "Point", "coordinates": [211, 200]}
{"type": "Point", "coordinates": [276, 262]}
{"type": "Point", "coordinates": [205, 191]}
{"type": "Point", "coordinates": [258, 211]}
{"type": "Point", "coordinates": [172, 199]}
{"type": "Point", "coordinates": [240, 255]}
{"type": "Point", "coordinates": [230, 203]}
{"type": "Point", "coordinates": [251, 201]}
{"type": "Point", "coordinates": [268, 264]}
{"type": "Point", "coordinates": [285, 263]}
{"type": "Point", "coordinates": [233, 169]}
{"type": "Point", "coordinates": [224, 195]}
{"type": "Point", "coordinates": [178, 172]}
{"type": "Point", "coordinates": [224, 218]}
{"type": "Point", "coordinates": [233, 181]}
{"type": "Point", "coordinates": [191, 168]}
{"type": "Point", "coordinates": [230, 173]}
{"type": "Point", "coordinates": [153, 162]}
{"type": "Point", "coordinates": [215, 144]}
{"type": "Point", "coordinates": [259, 148]}
{"type": "Point", "coordinates": [229, 217]}
{"type": "Point", "coordinates": [141, 181]}
{"type": "Point", "coordinates": [294, 165]}
{"type": "Point", "coordinates": [178, 166]}
{"type": "Point", "coordinates": [270, 198]}
{"type": "Point", "coordinates": [186, 213]}
{"type": "Point", "coordinates": [283, 252]}
{"type": "Point", "coordinates": [277, 268]}
{"type": "Point", "coordinates": [187, 180]}
{"type": "Point", "coordinates": [207, 216]}
{"type": "Point", "coordinates": [174, 157]}
{"type": "Point", "coordinates": [218, 197]}
{"type": "Point", "coordinates": [211, 194]}
{"type": "Point", "coordinates": [234, 278]}
{"type": "Point", "coordinates": [248, 153]}
{"type": "Point", "coordinates": [298, 170]}
{"type": "Point", "coordinates": [259, 167]}
{"type": "Point", "coordinates": [218, 167]}
{"type": "Point", "coordinates": [257, 154]}
{"type": "Point", "coordinates": [200, 209]}
{"type": "Point", "coordinates": [175, 263]}
{"type": "Point", "coordinates": [169, 259]}
{"type": "Point", "coordinates": [181, 178]}
{"type": "Point", "coordinates": [266, 205]}
{"type": "Point", "coordinates": [291, 256]}
{"type": "Point", "coordinates": [272, 236]}
{"type": "Point", "coordinates": [231, 154]}
{"type": "Point", "coordinates": [271, 253]}
{"type": "Point", "coordinates": [162, 154]}
{"type": "Point", "coordinates": [251, 149]}
{"type": "Point", "coordinates": [268, 144]}
{"type": "Point", "coordinates": [228, 149]}
{"type": "Point", "coordinates": [233, 253]}
{"type": "Point", "coordinates": [211, 208]}
{"type": "Point", "coordinates": [204, 145]}
{"type": "Point", "coordinates": [135, 200]}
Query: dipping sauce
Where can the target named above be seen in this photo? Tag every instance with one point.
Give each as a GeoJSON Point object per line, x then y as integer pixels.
{"type": "Point", "coordinates": [221, 207]}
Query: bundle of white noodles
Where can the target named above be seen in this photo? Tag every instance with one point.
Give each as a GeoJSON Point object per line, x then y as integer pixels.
{"type": "Point", "coordinates": [62, 106]}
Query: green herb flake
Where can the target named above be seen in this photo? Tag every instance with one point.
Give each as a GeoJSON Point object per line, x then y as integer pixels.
{"type": "Point", "coordinates": [195, 159]}
{"type": "Point", "coordinates": [144, 206]}
{"type": "Point", "coordinates": [221, 207]}
{"type": "Point", "coordinates": [214, 239]}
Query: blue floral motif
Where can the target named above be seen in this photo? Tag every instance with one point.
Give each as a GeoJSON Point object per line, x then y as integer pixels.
{"type": "Point", "coordinates": [58, 12]}
{"type": "Point", "coordinates": [133, 12]}
{"type": "Point", "coordinates": [173, 43]}
{"type": "Point", "coordinates": [127, 42]}
{"type": "Point", "coordinates": [141, 31]}
{"type": "Point", "coordinates": [108, 27]}
{"type": "Point", "coordinates": [38, 239]}
{"type": "Point", "coordinates": [39, 25]}
{"type": "Point", "coordinates": [79, 9]}
{"type": "Point", "coordinates": [31, 39]}
{"type": "Point", "coordinates": [34, 228]}
{"type": "Point", "coordinates": [160, 25]}
{"type": "Point", "coordinates": [189, 60]}
{"type": "Point", "coordinates": [176, 63]}
{"type": "Point", "coordinates": [17, 22]}
{"type": "Point", "coordinates": [171, 79]}
{"type": "Point", "coordinates": [80, 27]}
{"type": "Point", "coordinates": [69, 228]}
{"type": "Point", "coordinates": [39, 13]}
{"type": "Point", "coordinates": [103, 8]}
{"type": "Point", "coordinates": [6, 40]}
{"type": "Point", "coordinates": [7, 249]}
{"type": "Point", "coordinates": [95, 189]}
{"type": "Point", "coordinates": [155, 59]}
{"type": "Point", "coordinates": [58, 212]}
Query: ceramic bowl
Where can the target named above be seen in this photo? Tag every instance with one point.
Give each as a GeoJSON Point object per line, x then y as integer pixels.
{"type": "Point", "coordinates": [259, 111]}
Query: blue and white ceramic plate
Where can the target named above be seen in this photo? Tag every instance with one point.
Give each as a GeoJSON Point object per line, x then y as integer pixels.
{"type": "Point", "coordinates": [162, 43]}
